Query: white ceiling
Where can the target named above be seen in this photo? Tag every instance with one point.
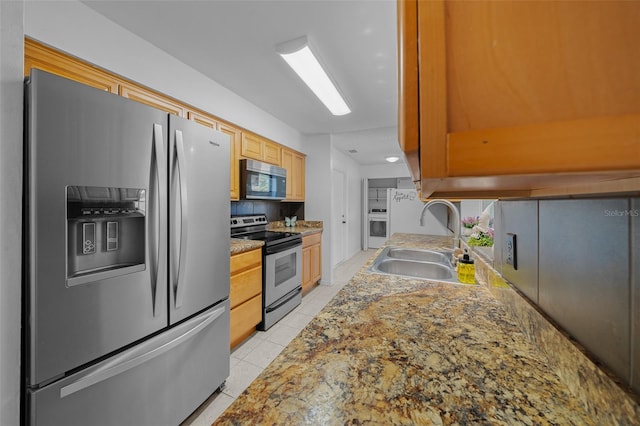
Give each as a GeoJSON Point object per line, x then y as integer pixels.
{"type": "Point", "coordinates": [233, 43]}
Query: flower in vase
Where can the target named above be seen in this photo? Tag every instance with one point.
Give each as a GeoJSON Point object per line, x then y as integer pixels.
{"type": "Point", "coordinates": [469, 221]}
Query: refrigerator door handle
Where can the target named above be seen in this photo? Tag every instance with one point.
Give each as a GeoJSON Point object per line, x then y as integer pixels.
{"type": "Point", "coordinates": [184, 205]}
{"type": "Point", "coordinates": [161, 236]}
{"type": "Point", "coordinates": [133, 357]}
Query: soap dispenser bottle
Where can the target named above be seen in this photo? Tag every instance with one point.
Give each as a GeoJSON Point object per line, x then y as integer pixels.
{"type": "Point", "coordinates": [466, 269]}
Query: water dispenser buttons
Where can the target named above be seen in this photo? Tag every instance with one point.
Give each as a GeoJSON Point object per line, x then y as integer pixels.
{"type": "Point", "coordinates": [112, 236]}
{"type": "Point", "coordinates": [88, 238]}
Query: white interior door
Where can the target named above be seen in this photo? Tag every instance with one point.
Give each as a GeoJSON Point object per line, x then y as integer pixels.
{"type": "Point", "coordinates": [338, 217]}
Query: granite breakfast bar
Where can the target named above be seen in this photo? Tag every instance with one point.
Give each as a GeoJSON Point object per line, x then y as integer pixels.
{"type": "Point", "coordinates": [391, 350]}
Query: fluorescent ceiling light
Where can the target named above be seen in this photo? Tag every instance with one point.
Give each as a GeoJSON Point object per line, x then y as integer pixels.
{"type": "Point", "coordinates": [299, 56]}
{"type": "Point", "coordinates": [392, 159]}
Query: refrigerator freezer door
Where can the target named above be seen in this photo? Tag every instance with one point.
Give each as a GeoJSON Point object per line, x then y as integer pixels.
{"type": "Point", "coordinates": [200, 210]}
{"type": "Point", "coordinates": [81, 139]}
{"type": "Point", "coordinates": [159, 382]}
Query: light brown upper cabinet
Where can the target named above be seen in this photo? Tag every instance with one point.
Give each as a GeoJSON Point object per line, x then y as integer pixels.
{"type": "Point", "coordinates": [503, 99]}
{"type": "Point", "coordinates": [294, 163]}
{"type": "Point", "coordinates": [235, 135]}
{"type": "Point", "coordinates": [259, 148]}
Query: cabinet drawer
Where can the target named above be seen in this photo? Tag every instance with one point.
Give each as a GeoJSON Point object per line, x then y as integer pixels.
{"type": "Point", "coordinates": [312, 239]}
{"type": "Point", "coordinates": [245, 285]}
{"type": "Point", "coordinates": [244, 319]}
{"type": "Point", "coordinates": [245, 260]}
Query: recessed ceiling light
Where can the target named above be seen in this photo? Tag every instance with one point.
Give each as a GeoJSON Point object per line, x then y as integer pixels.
{"type": "Point", "coordinates": [297, 53]}
{"type": "Point", "coordinates": [392, 159]}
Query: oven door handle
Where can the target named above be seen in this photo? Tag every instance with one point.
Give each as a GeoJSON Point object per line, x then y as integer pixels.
{"type": "Point", "coordinates": [293, 294]}
{"type": "Point", "coordinates": [278, 248]}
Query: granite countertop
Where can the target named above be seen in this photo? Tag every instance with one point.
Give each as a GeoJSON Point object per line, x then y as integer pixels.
{"type": "Point", "coordinates": [240, 246]}
{"type": "Point", "coordinates": [391, 350]}
{"type": "Point", "coordinates": [304, 227]}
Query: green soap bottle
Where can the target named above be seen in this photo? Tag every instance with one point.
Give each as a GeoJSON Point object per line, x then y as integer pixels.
{"type": "Point", "coordinates": [466, 269]}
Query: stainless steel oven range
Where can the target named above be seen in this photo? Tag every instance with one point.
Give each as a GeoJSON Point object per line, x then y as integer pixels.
{"type": "Point", "coordinates": [281, 266]}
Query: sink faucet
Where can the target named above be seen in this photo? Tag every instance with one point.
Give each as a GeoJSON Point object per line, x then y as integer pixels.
{"type": "Point", "coordinates": [456, 218]}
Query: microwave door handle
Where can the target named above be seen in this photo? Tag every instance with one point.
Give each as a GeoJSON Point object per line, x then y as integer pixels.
{"type": "Point", "coordinates": [184, 208]}
{"type": "Point", "coordinates": [161, 235]}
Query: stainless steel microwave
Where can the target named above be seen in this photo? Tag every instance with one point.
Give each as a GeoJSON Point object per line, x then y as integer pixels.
{"type": "Point", "coordinates": [262, 181]}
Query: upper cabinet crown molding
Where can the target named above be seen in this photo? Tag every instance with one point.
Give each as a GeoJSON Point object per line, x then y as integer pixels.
{"type": "Point", "coordinates": [139, 94]}
{"type": "Point", "coordinates": [37, 55]}
{"type": "Point", "coordinates": [502, 99]}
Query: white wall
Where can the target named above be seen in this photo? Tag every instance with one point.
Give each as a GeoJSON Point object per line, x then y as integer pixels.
{"type": "Point", "coordinates": [390, 170]}
{"type": "Point", "coordinates": [79, 30]}
{"type": "Point", "coordinates": [317, 205]}
{"type": "Point", "coordinates": [11, 65]}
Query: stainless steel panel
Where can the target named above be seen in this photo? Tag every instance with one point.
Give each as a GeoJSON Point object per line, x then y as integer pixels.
{"type": "Point", "coordinates": [200, 210]}
{"type": "Point", "coordinates": [274, 313]}
{"type": "Point", "coordinates": [78, 135]}
{"type": "Point", "coordinates": [160, 382]}
{"type": "Point", "coordinates": [520, 218]}
{"type": "Point", "coordinates": [635, 294]}
{"type": "Point", "coordinates": [584, 274]}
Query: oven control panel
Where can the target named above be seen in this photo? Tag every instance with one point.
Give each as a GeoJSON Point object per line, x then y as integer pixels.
{"type": "Point", "coordinates": [239, 221]}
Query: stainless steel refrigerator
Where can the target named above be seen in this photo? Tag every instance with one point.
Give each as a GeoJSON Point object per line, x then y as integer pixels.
{"type": "Point", "coordinates": [126, 248]}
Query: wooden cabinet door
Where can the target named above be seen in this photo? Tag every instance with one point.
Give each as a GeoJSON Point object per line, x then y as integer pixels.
{"type": "Point", "coordinates": [148, 98]}
{"type": "Point", "coordinates": [245, 294]}
{"type": "Point", "coordinates": [251, 146]}
{"type": "Point", "coordinates": [311, 261]}
{"type": "Point", "coordinates": [299, 182]}
{"type": "Point", "coordinates": [294, 163]}
{"type": "Point", "coordinates": [234, 148]}
{"type": "Point", "coordinates": [244, 319]}
{"type": "Point", "coordinates": [501, 111]}
{"type": "Point", "coordinates": [258, 148]}
{"type": "Point", "coordinates": [316, 263]}
{"type": "Point", "coordinates": [271, 153]}
{"type": "Point", "coordinates": [307, 283]}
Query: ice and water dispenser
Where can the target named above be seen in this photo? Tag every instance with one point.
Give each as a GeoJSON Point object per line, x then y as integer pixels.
{"type": "Point", "coordinates": [105, 232]}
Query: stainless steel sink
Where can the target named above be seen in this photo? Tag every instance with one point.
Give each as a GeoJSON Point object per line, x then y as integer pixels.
{"type": "Point", "coordinates": [415, 263]}
{"type": "Point", "coordinates": [412, 268]}
{"type": "Point", "coordinates": [417, 254]}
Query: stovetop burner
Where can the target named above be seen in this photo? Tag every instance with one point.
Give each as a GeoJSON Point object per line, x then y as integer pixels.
{"type": "Point", "coordinates": [255, 228]}
{"type": "Point", "coordinates": [266, 236]}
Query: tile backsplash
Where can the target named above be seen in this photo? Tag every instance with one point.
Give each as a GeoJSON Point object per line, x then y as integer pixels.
{"type": "Point", "coordinates": [275, 210]}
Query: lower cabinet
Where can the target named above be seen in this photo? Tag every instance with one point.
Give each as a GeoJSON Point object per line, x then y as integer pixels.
{"type": "Point", "coordinates": [245, 294]}
{"type": "Point", "coordinates": [311, 261]}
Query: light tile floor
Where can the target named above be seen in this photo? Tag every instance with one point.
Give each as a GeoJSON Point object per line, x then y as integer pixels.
{"type": "Point", "coordinates": [254, 354]}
